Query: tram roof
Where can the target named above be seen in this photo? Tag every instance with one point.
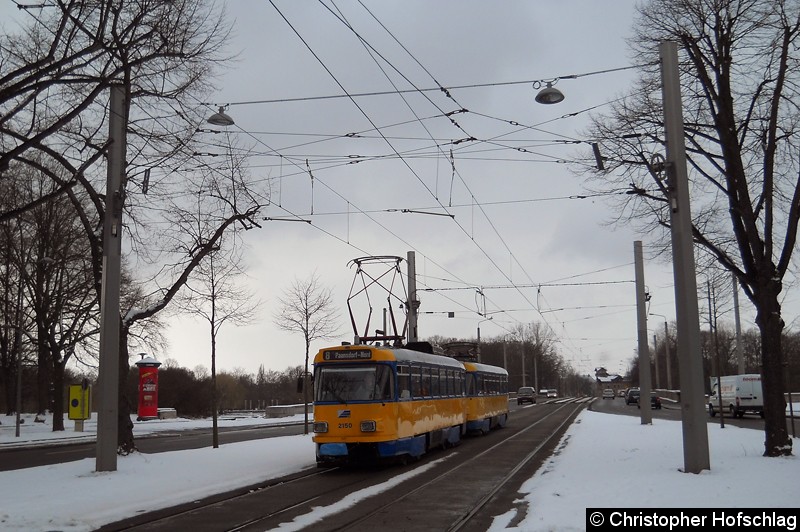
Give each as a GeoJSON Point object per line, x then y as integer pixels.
{"type": "Point", "coordinates": [385, 353]}
{"type": "Point", "coordinates": [484, 368]}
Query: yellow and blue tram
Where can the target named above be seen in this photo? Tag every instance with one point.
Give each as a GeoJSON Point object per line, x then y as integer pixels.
{"type": "Point", "coordinates": [381, 402]}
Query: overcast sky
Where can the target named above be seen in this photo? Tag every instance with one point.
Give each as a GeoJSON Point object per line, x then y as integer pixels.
{"type": "Point", "coordinates": [516, 220]}
{"type": "Point", "coordinates": [518, 229]}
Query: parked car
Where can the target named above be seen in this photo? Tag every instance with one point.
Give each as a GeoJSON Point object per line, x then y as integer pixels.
{"type": "Point", "coordinates": [655, 401]}
{"type": "Point", "coordinates": [632, 396]}
{"type": "Point", "coordinates": [526, 394]}
{"type": "Point", "coordinates": [608, 393]}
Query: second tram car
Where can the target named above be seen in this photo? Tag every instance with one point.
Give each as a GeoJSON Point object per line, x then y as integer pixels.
{"type": "Point", "coordinates": [381, 402]}
{"type": "Point", "coordinates": [487, 397]}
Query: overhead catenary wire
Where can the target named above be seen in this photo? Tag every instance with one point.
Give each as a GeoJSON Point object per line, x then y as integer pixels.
{"type": "Point", "coordinates": [401, 155]}
{"type": "Point", "coordinates": [433, 195]}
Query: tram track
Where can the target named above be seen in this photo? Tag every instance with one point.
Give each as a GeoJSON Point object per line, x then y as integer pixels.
{"type": "Point", "coordinates": [470, 512]}
{"type": "Point", "coordinates": [165, 519]}
{"type": "Point", "coordinates": [289, 500]}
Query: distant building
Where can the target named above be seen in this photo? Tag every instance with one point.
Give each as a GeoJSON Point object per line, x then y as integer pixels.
{"type": "Point", "coordinates": [604, 379]}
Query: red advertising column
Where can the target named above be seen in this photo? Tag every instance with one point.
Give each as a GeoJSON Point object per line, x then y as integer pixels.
{"type": "Point", "coordinates": [148, 388]}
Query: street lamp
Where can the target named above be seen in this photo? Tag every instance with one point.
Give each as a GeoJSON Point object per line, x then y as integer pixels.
{"type": "Point", "coordinates": [548, 95]}
{"type": "Point", "coordinates": [220, 118]}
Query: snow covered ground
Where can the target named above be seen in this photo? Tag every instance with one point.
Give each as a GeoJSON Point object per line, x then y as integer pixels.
{"type": "Point", "coordinates": [603, 461]}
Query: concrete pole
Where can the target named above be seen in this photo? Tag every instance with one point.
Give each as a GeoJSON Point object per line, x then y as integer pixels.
{"type": "Point", "coordinates": [645, 413]}
{"type": "Point", "coordinates": [413, 304]}
{"type": "Point", "coordinates": [693, 415]}
{"type": "Point", "coordinates": [108, 410]}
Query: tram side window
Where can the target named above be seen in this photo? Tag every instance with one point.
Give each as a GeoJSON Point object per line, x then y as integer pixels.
{"type": "Point", "coordinates": [416, 382]}
{"type": "Point", "coordinates": [472, 384]}
{"type": "Point", "coordinates": [426, 382]}
{"type": "Point", "coordinates": [451, 382]}
{"type": "Point", "coordinates": [435, 382]}
{"type": "Point", "coordinates": [404, 382]}
{"type": "Point", "coordinates": [383, 384]}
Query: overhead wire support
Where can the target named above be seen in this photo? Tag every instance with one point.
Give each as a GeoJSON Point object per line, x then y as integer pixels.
{"type": "Point", "coordinates": [445, 90]}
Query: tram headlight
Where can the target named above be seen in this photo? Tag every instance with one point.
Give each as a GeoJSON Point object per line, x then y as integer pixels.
{"type": "Point", "coordinates": [320, 426]}
{"type": "Point", "coordinates": [368, 426]}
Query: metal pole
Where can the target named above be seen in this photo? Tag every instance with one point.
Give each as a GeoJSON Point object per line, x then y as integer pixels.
{"type": "Point", "coordinates": [711, 337]}
{"type": "Point", "coordinates": [479, 342]}
{"type": "Point", "coordinates": [666, 350]}
{"type": "Point", "coordinates": [655, 361]}
{"type": "Point", "coordinates": [739, 347]}
{"type": "Point", "coordinates": [108, 410]}
{"type": "Point", "coordinates": [644, 353]}
{"type": "Point", "coordinates": [695, 430]}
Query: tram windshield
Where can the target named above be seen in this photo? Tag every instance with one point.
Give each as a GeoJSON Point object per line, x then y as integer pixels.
{"type": "Point", "coordinates": [353, 383]}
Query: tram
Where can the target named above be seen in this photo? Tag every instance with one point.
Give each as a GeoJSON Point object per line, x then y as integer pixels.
{"type": "Point", "coordinates": [374, 402]}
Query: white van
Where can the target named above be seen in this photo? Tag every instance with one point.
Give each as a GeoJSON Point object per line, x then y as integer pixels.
{"type": "Point", "coordinates": [740, 394]}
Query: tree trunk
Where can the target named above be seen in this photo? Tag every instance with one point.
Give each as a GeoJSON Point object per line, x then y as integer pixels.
{"type": "Point", "coordinates": [214, 399]}
{"type": "Point", "coordinates": [58, 395]}
{"type": "Point", "coordinates": [8, 380]}
{"type": "Point", "coordinates": [305, 393]}
{"type": "Point", "coordinates": [125, 443]}
{"type": "Point", "coordinates": [42, 373]}
{"type": "Point", "coordinates": [770, 323]}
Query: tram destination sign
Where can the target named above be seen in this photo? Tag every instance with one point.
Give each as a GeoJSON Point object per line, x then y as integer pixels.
{"type": "Point", "coordinates": [355, 354]}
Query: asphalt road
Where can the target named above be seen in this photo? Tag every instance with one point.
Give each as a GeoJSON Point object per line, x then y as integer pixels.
{"type": "Point", "coordinates": [672, 411]}
{"type": "Point", "coordinates": [19, 458]}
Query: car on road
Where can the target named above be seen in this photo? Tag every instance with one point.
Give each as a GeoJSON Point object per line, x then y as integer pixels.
{"type": "Point", "coordinates": [552, 393]}
{"type": "Point", "coordinates": [526, 394]}
{"type": "Point", "coordinates": [608, 393]}
{"type": "Point", "coordinates": [632, 396]}
{"type": "Point", "coordinates": [655, 401]}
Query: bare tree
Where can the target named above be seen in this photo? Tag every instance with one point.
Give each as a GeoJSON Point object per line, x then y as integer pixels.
{"type": "Point", "coordinates": [53, 114]}
{"type": "Point", "coordinates": [740, 84]}
{"type": "Point", "coordinates": [214, 296]}
{"type": "Point", "coordinates": [307, 307]}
